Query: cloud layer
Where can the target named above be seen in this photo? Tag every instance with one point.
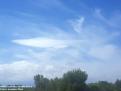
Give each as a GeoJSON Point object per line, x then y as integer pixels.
{"type": "Point", "coordinates": [90, 47]}
{"type": "Point", "coordinates": [89, 43]}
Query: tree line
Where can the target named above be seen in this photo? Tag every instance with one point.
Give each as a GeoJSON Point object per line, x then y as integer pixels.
{"type": "Point", "coordinates": [74, 80]}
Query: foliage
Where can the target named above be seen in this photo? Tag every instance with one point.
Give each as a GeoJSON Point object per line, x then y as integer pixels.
{"type": "Point", "coordinates": [71, 81]}
{"type": "Point", "coordinates": [74, 80]}
{"type": "Point", "coordinates": [118, 84]}
{"type": "Point", "coordinates": [102, 86]}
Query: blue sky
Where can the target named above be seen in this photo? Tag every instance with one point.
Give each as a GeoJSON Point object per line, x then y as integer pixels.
{"type": "Point", "coordinates": [51, 37]}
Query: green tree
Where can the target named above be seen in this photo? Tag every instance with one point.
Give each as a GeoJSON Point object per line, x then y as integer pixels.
{"type": "Point", "coordinates": [41, 83]}
{"type": "Point", "coordinates": [102, 86]}
{"type": "Point", "coordinates": [37, 82]}
{"type": "Point", "coordinates": [74, 81]}
{"type": "Point", "coordinates": [118, 84]}
{"type": "Point", "coordinates": [94, 87]}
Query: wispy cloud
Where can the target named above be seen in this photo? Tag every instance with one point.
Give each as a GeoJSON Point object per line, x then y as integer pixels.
{"type": "Point", "coordinates": [44, 42]}
{"type": "Point", "coordinates": [78, 25]}
{"type": "Point", "coordinates": [113, 20]}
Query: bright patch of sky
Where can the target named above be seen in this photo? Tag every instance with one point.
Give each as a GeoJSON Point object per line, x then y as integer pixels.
{"type": "Point", "coordinates": [50, 37]}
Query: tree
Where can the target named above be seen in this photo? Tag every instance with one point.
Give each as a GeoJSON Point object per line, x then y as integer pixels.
{"type": "Point", "coordinates": [94, 87]}
{"type": "Point", "coordinates": [41, 83]}
{"type": "Point", "coordinates": [102, 86]}
{"type": "Point", "coordinates": [37, 82]}
{"type": "Point", "coordinates": [118, 84]}
{"type": "Point", "coordinates": [71, 81]}
{"type": "Point", "coordinates": [74, 81]}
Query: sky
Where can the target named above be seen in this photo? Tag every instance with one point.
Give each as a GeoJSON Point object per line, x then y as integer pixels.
{"type": "Point", "coordinates": [51, 37]}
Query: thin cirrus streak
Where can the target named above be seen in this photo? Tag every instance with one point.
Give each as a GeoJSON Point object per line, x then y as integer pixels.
{"type": "Point", "coordinates": [45, 42]}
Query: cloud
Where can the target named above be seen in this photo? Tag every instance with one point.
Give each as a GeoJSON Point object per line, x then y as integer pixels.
{"type": "Point", "coordinates": [23, 71]}
{"type": "Point", "coordinates": [44, 42]}
{"type": "Point", "coordinates": [90, 43]}
{"type": "Point", "coordinates": [113, 20]}
{"type": "Point", "coordinates": [77, 25]}
{"type": "Point", "coordinates": [105, 52]}
{"type": "Point", "coordinates": [51, 51]}
{"type": "Point", "coordinates": [18, 71]}
{"type": "Point", "coordinates": [100, 70]}
{"type": "Point", "coordinates": [51, 5]}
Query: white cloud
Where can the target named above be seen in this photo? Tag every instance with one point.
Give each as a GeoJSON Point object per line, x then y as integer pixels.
{"type": "Point", "coordinates": [51, 51]}
{"type": "Point", "coordinates": [78, 25]}
{"type": "Point", "coordinates": [104, 52]}
{"type": "Point", "coordinates": [18, 71]}
{"type": "Point", "coordinates": [90, 48]}
{"type": "Point", "coordinates": [98, 14]}
{"type": "Point", "coordinates": [101, 70]}
{"type": "Point", "coordinates": [43, 42]}
{"type": "Point", "coordinates": [24, 70]}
